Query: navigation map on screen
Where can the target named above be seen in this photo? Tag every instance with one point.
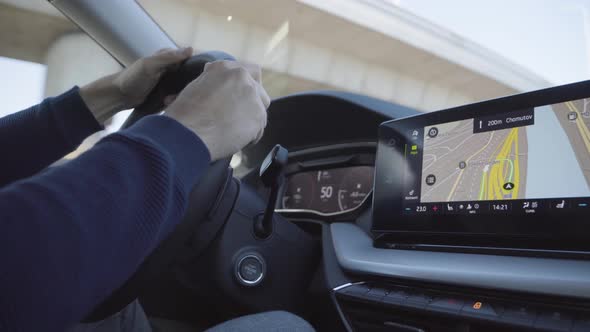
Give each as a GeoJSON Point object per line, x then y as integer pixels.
{"type": "Point", "coordinates": [537, 153]}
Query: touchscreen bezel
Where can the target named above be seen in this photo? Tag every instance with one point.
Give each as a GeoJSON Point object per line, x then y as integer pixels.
{"type": "Point", "coordinates": [388, 217]}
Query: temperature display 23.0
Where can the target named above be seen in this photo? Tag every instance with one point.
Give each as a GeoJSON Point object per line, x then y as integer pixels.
{"type": "Point", "coordinates": [329, 190]}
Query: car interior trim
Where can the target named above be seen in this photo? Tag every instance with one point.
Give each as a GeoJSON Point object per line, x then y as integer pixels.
{"type": "Point", "coordinates": [323, 214]}
{"type": "Point", "coordinates": [355, 253]}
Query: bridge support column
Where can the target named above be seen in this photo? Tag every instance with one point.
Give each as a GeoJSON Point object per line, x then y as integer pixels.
{"type": "Point", "coordinates": [75, 59]}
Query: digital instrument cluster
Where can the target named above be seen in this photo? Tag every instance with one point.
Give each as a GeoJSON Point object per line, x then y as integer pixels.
{"type": "Point", "coordinates": [328, 191]}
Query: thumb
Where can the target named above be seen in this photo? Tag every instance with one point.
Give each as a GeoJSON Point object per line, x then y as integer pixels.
{"type": "Point", "coordinates": [167, 57]}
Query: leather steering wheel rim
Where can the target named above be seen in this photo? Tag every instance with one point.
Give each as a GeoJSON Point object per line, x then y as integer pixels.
{"type": "Point", "coordinates": [201, 200]}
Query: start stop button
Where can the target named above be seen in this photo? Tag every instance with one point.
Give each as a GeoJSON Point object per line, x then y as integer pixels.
{"type": "Point", "coordinates": [250, 269]}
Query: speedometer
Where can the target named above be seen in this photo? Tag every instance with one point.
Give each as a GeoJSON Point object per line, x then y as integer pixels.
{"type": "Point", "coordinates": [328, 191]}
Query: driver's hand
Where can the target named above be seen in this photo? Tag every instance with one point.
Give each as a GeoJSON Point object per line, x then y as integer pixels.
{"type": "Point", "coordinates": [129, 87]}
{"type": "Point", "coordinates": [225, 106]}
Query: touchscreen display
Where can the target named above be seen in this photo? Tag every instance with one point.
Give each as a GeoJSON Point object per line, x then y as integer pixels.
{"type": "Point", "coordinates": [518, 165]}
{"type": "Point", "coordinates": [484, 163]}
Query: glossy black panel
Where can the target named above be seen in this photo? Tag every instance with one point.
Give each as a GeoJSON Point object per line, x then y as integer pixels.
{"type": "Point", "coordinates": [328, 190]}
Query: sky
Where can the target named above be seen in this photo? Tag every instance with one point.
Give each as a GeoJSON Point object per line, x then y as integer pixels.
{"type": "Point", "coordinates": [548, 37]}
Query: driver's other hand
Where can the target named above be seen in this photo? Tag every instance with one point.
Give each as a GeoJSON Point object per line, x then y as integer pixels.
{"type": "Point", "coordinates": [129, 87]}
{"type": "Point", "coordinates": [225, 106]}
{"type": "Point", "coordinates": [139, 79]}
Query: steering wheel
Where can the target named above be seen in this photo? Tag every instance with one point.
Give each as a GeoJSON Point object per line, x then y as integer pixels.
{"type": "Point", "coordinates": [202, 199]}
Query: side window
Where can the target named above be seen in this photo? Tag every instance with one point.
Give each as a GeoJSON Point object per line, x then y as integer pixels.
{"type": "Point", "coordinates": [21, 84]}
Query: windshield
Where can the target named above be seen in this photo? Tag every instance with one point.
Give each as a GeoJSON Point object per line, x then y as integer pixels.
{"type": "Point", "coordinates": [424, 54]}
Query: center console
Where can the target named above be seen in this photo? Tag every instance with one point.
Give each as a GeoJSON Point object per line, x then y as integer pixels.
{"type": "Point", "coordinates": [382, 306]}
{"type": "Point", "coordinates": [415, 290]}
{"type": "Point", "coordinates": [479, 222]}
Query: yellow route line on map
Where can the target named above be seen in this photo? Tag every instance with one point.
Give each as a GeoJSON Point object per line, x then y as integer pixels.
{"type": "Point", "coordinates": [496, 177]}
{"type": "Point", "coordinates": [582, 128]}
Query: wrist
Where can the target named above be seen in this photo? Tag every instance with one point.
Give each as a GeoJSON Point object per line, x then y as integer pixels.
{"type": "Point", "coordinates": [203, 133]}
{"type": "Point", "coordinates": [103, 98]}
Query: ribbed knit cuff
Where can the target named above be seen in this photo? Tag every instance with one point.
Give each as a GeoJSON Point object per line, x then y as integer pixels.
{"type": "Point", "coordinates": [73, 118]}
{"type": "Point", "coordinates": [187, 150]}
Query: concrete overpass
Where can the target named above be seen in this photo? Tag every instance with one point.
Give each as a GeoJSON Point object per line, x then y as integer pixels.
{"type": "Point", "coordinates": [365, 46]}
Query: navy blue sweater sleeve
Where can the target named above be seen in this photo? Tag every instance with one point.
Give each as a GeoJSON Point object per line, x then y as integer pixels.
{"type": "Point", "coordinates": [32, 139]}
{"type": "Point", "coordinates": [75, 232]}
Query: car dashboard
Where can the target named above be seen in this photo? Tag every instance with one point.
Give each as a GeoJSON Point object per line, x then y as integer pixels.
{"type": "Point", "coordinates": [332, 138]}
